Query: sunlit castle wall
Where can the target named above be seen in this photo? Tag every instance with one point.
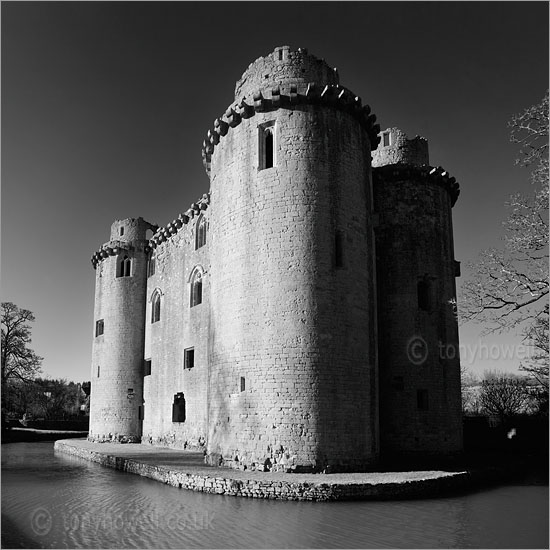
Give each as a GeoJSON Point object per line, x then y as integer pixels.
{"type": "Point", "coordinates": [292, 345]}
{"type": "Point", "coordinates": [420, 400]}
{"type": "Point", "coordinates": [176, 333]}
{"type": "Point", "coordinates": [117, 352]}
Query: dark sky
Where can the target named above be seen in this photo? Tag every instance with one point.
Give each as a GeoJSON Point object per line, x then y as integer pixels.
{"type": "Point", "coordinates": [105, 106]}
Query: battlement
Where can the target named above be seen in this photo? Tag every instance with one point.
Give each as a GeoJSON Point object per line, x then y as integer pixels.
{"type": "Point", "coordinates": [330, 95]}
{"type": "Point", "coordinates": [396, 148]}
{"type": "Point", "coordinates": [172, 228]}
{"type": "Point", "coordinates": [284, 67]}
{"type": "Point", "coordinates": [435, 175]}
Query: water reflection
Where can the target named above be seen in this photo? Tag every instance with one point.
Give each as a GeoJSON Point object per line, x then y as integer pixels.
{"type": "Point", "coordinates": [55, 500]}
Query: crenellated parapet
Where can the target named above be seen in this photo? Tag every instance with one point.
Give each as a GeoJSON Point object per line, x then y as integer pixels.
{"type": "Point", "coordinates": [171, 229]}
{"type": "Point", "coordinates": [287, 79]}
{"type": "Point", "coordinates": [430, 174]}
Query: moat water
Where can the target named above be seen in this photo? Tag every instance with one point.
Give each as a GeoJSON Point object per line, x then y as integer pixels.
{"type": "Point", "coordinates": [51, 500]}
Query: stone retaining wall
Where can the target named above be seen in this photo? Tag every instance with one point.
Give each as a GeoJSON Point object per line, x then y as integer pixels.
{"type": "Point", "coordinates": [272, 488]}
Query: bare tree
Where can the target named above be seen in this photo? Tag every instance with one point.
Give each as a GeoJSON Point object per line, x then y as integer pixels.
{"type": "Point", "coordinates": [503, 395]}
{"type": "Point", "coordinates": [19, 362]}
{"type": "Point", "coordinates": [509, 287]}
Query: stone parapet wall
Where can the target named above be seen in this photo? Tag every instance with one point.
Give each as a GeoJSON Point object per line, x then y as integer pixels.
{"type": "Point", "coordinates": [400, 149]}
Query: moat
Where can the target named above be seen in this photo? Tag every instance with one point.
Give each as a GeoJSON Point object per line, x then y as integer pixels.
{"type": "Point", "coordinates": [55, 500]}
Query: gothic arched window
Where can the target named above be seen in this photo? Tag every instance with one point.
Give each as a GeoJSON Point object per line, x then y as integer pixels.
{"type": "Point", "coordinates": [124, 267]}
{"type": "Point", "coordinates": [155, 307]}
{"type": "Point", "coordinates": [196, 288]}
{"type": "Point", "coordinates": [200, 237]}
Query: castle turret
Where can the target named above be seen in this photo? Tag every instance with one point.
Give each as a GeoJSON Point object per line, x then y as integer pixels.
{"type": "Point", "coordinates": [419, 366]}
{"type": "Point", "coordinates": [119, 316]}
{"type": "Point", "coordinates": [292, 344]}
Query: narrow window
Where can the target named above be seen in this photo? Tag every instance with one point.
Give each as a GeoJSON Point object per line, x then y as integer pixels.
{"type": "Point", "coordinates": [151, 267]}
{"type": "Point", "coordinates": [243, 383]}
{"type": "Point", "coordinates": [280, 55]}
{"type": "Point", "coordinates": [155, 307]}
{"type": "Point", "coordinates": [98, 369]}
{"type": "Point", "coordinates": [422, 400]}
{"type": "Point", "coordinates": [196, 289]}
{"type": "Point", "coordinates": [178, 408]}
{"type": "Point", "coordinates": [200, 238]}
{"type": "Point", "coordinates": [269, 148]}
{"type": "Point", "coordinates": [99, 327]}
{"type": "Point", "coordinates": [338, 249]}
{"type": "Point", "coordinates": [397, 383]}
{"type": "Point", "coordinates": [266, 151]}
{"type": "Point", "coordinates": [189, 358]}
{"type": "Point", "coordinates": [121, 231]}
{"type": "Point", "coordinates": [147, 367]}
{"type": "Point", "coordinates": [124, 267]}
{"type": "Point", "coordinates": [127, 266]}
{"type": "Point", "coordinates": [424, 295]}
{"type": "Point", "coordinates": [386, 139]}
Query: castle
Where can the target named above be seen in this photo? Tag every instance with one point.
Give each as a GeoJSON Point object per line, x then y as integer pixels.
{"type": "Point", "coordinates": [294, 317]}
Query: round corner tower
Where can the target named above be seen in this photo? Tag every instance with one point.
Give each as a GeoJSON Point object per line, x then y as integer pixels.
{"type": "Point", "coordinates": [292, 346]}
{"type": "Point", "coordinates": [419, 364]}
{"type": "Point", "coordinates": [119, 326]}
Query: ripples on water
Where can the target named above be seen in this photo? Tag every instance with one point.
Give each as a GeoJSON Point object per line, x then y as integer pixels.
{"type": "Point", "coordinates": [59, 501]}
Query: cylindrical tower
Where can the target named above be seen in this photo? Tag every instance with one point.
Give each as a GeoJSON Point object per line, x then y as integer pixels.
{"type": "Point", "coordinates": [419, 365]}
{"type": "Point", "coordinates": [292, 347]}
{"type": "Point", "coordinates": [119, 317]}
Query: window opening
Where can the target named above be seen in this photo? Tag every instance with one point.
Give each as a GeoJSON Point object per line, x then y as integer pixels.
{"type": "Point", "coordinates": [189, 358]}
{"type": "Point", "coordinates": [155, 308]}
{"type": "Point", "coordinates": [151, 267]}
{"type": "Point", "coordinates": [124, 268]}
{"type": "Point", "coordinates": [266, 151]}
{"type": "Point", "coordinates": [121, 231]}
{"type": "Point", "coordinates": [269, 148]}
{"type": "Point", "coordinates": [422, 400]}
{"type": "Point", "coordinates": [98, 370]}
{"type": "Point", "coordinates": [243, 383]}
{"type": "Point", "coordinates": [147, 367]}
{"type": "Point", "coordinates": [196, 289]}
{"type": "Point", "coordinates": [424, 295]}
{"type": "Point", "coordinates": [338, 249]}
{"type": "Point", "coordinates": [201, 233]}
{"type": "Point", "coordinates": [178, 408]}
{"type": "Point", "coordinates": [386, 139]}
{"type": "Point", "coordinates": [398, 383]}
{"type": "Point", "coordinates": [99, 327]}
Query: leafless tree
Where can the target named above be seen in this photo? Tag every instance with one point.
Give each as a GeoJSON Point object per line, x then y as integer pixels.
{"type": "Point", "coordinates": [503, 395]}
{"type": "Point", "coordinates": [19, 362]}
{"type": "Point", "coordinates": [509, 286]}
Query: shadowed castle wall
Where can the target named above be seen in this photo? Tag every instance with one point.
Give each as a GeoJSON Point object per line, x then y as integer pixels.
{"type": "Point", "coordinates": [420, 409]}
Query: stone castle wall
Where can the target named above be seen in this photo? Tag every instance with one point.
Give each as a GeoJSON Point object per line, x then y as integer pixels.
{"type": "Point", "coordinates": [400, 149]}
{"type": "Point", "coordinates": [284, 318]}
{"type": "Point", "coordinates": [117, 354]}
{"type": "Point", "coordinates": [287, 336]}
{"type": "Point", "coordinates": [417, 325]}
{"type": "Point", "coordinates": [180, 327]}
